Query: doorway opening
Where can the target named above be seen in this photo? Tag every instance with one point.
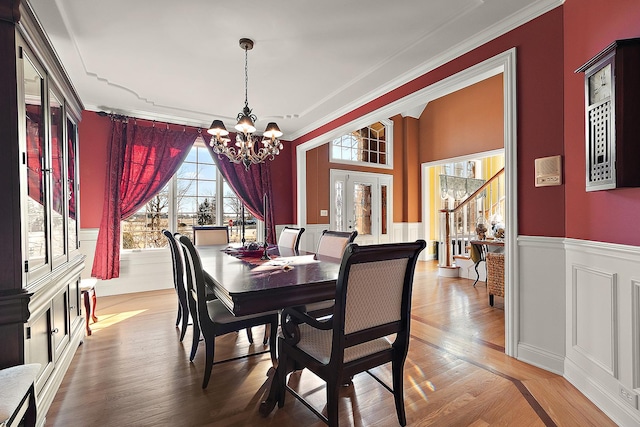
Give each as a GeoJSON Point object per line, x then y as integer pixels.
{"type": "Point", "coordinates": [503, 63]}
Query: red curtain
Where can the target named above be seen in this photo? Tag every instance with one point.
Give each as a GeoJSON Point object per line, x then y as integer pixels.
{"type": "Point", "coordinates": [250, 186]}
{"type": "Point", "coordinates": [141, 161]}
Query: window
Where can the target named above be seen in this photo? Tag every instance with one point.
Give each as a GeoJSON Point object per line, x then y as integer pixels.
{"type": "Point", "coordinates": [196, 188]}
{"type": "Point", "coordinates": [370, 145]}
{"type": "Point", "coordinates": [196, 195]}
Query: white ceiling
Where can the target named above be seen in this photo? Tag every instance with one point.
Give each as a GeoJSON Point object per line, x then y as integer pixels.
{"type": "Point", "coordinates": [312, 61]}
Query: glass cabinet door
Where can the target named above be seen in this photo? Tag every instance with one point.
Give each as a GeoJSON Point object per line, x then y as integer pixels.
{"type": "Point", "coordinates": [58, 201]}
{"type": "Point", "coordinates": [72, 186]}
{"type": "Point", "coordinates": [37, 254]}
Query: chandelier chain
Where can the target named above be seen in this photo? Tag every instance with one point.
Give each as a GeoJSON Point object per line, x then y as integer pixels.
{"type": "Point", "coordinates": [246, 78]}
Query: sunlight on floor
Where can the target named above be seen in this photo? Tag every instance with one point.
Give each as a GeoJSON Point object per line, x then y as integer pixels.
{"type": "Point", "coordinates": [107, 320]}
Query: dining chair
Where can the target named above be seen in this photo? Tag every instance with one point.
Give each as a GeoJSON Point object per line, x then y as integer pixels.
{"type": "Point", "coordinates": [210, 235]}
{"type": "Point", "coordinates": [178, 284]}
{"type": "Point", "coordinates": [373, 302]}
{"type": "Point", "coordinates": [332, 245]}
{"type": "Point", "coordinates": [290, 238]}
{"type": "Point", "coordinates": [211, 317]}
{"type": "Point", "coordinates": [183, 302]}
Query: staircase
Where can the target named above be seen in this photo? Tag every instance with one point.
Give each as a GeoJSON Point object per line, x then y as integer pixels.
{"type": "Point", "coordinates": [458, 224]}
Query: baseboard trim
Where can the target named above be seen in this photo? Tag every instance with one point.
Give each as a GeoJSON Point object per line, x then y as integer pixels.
{"type": "Point", "coordinates": [621, 413]}
{"type": "Point", "coordinates": [541, 358]}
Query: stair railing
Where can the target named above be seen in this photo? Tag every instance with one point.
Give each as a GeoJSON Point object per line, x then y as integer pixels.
{"type": "Point", "coordinates": [458, 225]}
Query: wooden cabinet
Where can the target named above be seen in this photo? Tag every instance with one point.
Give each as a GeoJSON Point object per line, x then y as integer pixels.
{"type": "Point", "coordinates": [40, 262]}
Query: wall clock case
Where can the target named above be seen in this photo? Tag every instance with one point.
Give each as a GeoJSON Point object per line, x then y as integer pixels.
{"type": "Point", "coordinates": [612, 116]}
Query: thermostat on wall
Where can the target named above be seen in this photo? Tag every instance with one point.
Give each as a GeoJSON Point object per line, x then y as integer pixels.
{"type": "Point", "coordinates": [548, 171]}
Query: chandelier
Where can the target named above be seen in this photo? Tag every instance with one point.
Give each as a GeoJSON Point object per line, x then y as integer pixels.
{"type": "Point", "coordinates": [249, 148]}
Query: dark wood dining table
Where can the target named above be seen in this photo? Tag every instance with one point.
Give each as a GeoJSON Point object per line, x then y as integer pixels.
{"type": "Point", "coordinates": [249, 285]}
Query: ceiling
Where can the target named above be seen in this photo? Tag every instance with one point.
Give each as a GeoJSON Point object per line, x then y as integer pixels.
{"type": "Point", "coordinates": [312, 61]}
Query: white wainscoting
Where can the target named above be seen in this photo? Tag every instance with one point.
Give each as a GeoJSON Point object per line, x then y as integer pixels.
{"type": "Point", "coordinates": [140, 271]}
{"type": "Point", "coordinates": [151, 269]}
{"type": "Point", "coordinates": [603, 326]}
{"type": "Point", "coordinates": [541, 311]}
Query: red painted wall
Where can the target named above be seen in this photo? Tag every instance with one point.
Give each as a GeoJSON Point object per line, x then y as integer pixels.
{"type": "Point", "coordinates": [539, 45]}
{"type": "Point", "coordinates": [281, 182]}
{"type": "Point", "coordinates": [93, 139]}
{"type": "Point", "coordinates": [94, 133]}
{"type": "Point", "coordinates": [605, 216]}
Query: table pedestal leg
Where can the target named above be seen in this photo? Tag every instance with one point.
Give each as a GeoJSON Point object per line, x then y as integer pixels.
{"type": "Point", "coordinates": [274, 391]}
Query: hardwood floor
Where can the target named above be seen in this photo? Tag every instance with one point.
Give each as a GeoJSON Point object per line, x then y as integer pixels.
{"type": "Point", "coordinates": [133, 371]}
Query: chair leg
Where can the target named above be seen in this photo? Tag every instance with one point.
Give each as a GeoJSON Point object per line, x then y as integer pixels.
{"type": "Point", "coordinates": [477, 274]}
{"type": "Point", "coordinates": [210, 344]}
{"type": "Point", "coordinates": [267, 332]}
{"type": "Point", "coordinates": [273, 341]}
{"type": "Point", "coordinates": [398, 390]}
{"type": "Point", "coordinates": [87, 312]}
{"type": "Point", "coordinates": [179, 314]}
{"type": "Point", "coordinates": [250, 335]}
{"type": "Point", "coordinates": [281, 371]}
{"type": "Point", "coordinates": [185, 323]}
{"type": "Point", "coordinates": [333, 390]}
{"type": "Point", "coordinates": [195, 340]}
{"type": "Point", "coordinates": [94, 303]}
{"type": "Point", "coordinates": [491, 300]}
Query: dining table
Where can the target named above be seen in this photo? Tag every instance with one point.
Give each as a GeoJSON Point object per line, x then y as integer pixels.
{"type": "Point", "coordinates": [247, 282]}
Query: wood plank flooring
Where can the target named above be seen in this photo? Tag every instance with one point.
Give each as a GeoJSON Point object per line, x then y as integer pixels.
{"type": "Point", "coordinates": [133, 371]}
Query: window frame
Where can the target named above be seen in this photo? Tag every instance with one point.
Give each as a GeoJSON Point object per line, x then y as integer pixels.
{"type": "Point", "coordinates": [388, 125]}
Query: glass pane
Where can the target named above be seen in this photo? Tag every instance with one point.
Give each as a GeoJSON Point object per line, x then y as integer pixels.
{"type": "Point", "coordinates": [383, 209]}
{"type": "Point", "coordinates": [72, 236]}
{"type": "Point", "coordinates": [207, 189]}
{"type": "Point", "coordinates": [192, 157]}
{"type": "Point", "coordinates": [204, 156]}
{"type": "Point", "coordinates": [362, 208]}
{"type": "Point", "coordinates": [187, 205]}
{"type": "Point", "coordinates": [144, 228]}
{"type": "Point", "coordinates": [188, 171]}
{"type": "Point", "coordinates": [207, 172]}
{"type": "Point", "coordinates": [187, 187]}
{"type": "Point", "coordinates": [57, 170]}
{"type": "Point", "coordinates": [338, 206]}
{"type": "Point", "coordinates": [206, 211]}
{"type": "Point", "coordinates": [36, 200]}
